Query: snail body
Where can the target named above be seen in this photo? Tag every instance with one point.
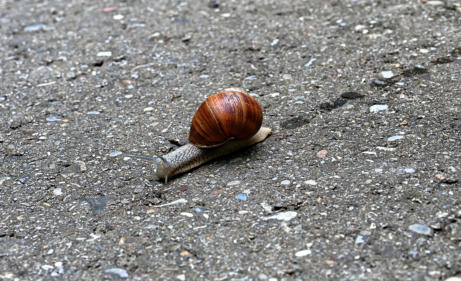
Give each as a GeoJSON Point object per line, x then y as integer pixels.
{"type": "Point", "coordinates": [190, 156]}
{"type": "Point", "coordinates": [225, 122]}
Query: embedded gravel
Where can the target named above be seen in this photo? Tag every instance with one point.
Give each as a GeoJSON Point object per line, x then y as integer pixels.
{"type": "Point", "coordinates": [360, 179]}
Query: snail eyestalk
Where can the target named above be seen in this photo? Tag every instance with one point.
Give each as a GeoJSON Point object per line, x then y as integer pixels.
{"type": "Point", "coordinates": [161, 165]}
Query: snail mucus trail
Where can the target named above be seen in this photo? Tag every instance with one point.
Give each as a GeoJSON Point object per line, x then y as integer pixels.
{"type": "Point", "coordinates": [225, 122]}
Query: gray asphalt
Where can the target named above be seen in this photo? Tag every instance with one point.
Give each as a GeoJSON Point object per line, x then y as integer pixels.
{"type": "Point", "coordinates": [360, 179]}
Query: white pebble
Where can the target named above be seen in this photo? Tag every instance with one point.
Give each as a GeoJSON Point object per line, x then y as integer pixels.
{"type": "Point", "coordinates": [104, 54]}
{"type": "Point", "coordinates": [284, 216]}
{"type": "Point", "coordinates": [266, 207]}
{"type": "Point", "coordinates": [378, 107]}
{"type": "Point", "coordinates": [285, 182]}
{"type": "Point", "coordinates": [303, 253]}
{"type": "Point", "coordinates": [232, 183]}
{"type": "Point", "coordinates": [179, 201]}
{"type": "Point", "coordinates": [435, 3]}
{"type": "Point", "coordinates": [47, 267]}
{"type": "Point", "coordinates": [385, 148]}
{"type": "Point", "coordinates": [408, 170]}
{"type": "Point", "coordinates": [115, 153]}
{"type": "Point", "coordinates": [394, 138]}
{"type": "Point", "coordinates": [311, 182]}
{"type": "Point", "coordinates": [360, 27]}
{"type": "Point", "coordinates": [186, 214]}
{"type": "Point", "coordinates": [57, 191]}
{"type": "Point", "coordinates": [122, 273]}
{"type": "Point", "coordinates": [386, 74]}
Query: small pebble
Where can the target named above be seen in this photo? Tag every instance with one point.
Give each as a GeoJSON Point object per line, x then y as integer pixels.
{"type": "Point", "coordinates": [394, 138]}
{"type": "Point", "coordinates": [4, 179]}
{"type": "Point", "coordinates": [360, 27]}
{"type": "Point", "coordinates": [421, 229]}
{"type": "Point", "coordinates": [311, 182]}
{"type": "Point", "coordinates": [57, 191]}
{"type": "Point", "coordinates": [286, 76]}
{"type": "Point", "coordinates": [385, 148]}
{"type": "Point", "coordinates": [179, 201]}
{"type": "Point", "coordinates": [378, 82]}
{"type": "Point", "coordinates": [454, 278]}
{"type": "Point", "coordinates": [378, 107]}
{"type": "Point", "coordinates": [37, 27]}
{"type": "Point", "coordinates": [104, 54]}
{"type": "Point", "coordinates": [186, 214]}
{"type": "Point", "coordinates": [232, 183]}
{"type": "Point", "coordinates": [283, 216]}
{"type": "Point", "coordinates": [435, 3]}
{"type": "Point", "coordinates": [241, 197]}
{"type": "Point", "coordinates": [310, 62]}
{"type": "Point", "coordinates": [266, 207]}
{"type": "Point", "coordinates": [71, 75]}
{"type": "Point", "coordinates": [109, 9]}
{"type": "Point", "coordinates": [262, 276]}
{"type": "Point", "coordinates": [360, 240]}
{"type": "Point", "coordinates": [285, 182]}
{"type": "Point", "coordinates": [322, 154]}
{"type": "Point", "coordinates": [275, 42]}
{"type": "Point", "coordinates": [93, 113]}
{"type": "Point", "coordinates": [118, 17]}
{"type": "Point", "coordinates": [115, 153]}
{"type": "Point", "coordinates": [122, 273]}
{"type": "Point", "coordinates": [47, 267]}
{"type": "Point", "coordinates": [52, 119]}
{"type": "Point", "coordinates": [303, 253]}
{"type": "Point", "coordinates": [408, 170]}
{"type": "Point", "coordinates": [386, 74]}
{"type": "Point", "coordinates": [147, 109]}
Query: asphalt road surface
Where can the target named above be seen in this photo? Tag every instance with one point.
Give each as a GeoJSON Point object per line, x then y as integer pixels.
{"type": "Point", "coordinates": [360, 179]}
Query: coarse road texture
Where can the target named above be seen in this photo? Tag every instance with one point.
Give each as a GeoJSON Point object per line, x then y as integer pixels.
{"type": "Point", "coordinates": [360, 179]}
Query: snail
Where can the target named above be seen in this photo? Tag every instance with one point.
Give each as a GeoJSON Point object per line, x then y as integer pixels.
{"type": "Point", "coordinates": [225, 122]}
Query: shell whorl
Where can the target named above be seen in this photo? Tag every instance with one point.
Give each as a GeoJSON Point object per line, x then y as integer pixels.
{"type": "Point", "coordinates": [228, 114]}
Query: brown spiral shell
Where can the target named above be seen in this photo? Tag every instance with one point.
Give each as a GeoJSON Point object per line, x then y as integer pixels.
{"type": "Point", "coordinates": [228, 114]}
